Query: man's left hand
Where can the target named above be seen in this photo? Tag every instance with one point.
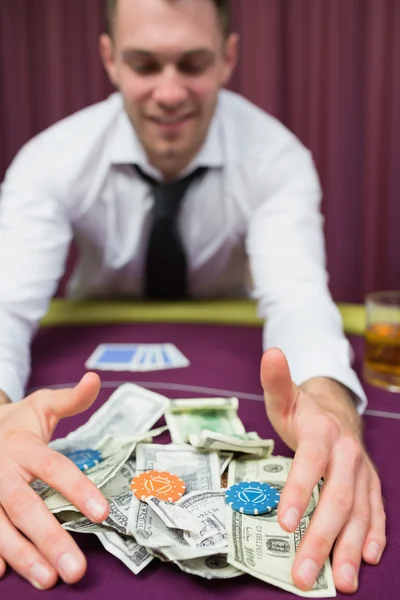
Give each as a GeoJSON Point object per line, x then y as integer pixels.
{"type": "Point", "coordinates": [320, 422]}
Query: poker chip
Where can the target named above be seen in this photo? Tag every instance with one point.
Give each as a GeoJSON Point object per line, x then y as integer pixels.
{"type": "Point", "coordinates": [252, 497]}
{"type": "Point", "coordinates": [160, 484]}
{"type": "Point", "coordinates": [85, 459]}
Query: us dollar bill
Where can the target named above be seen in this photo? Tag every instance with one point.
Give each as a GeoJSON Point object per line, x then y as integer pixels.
{"type": "Point", "coordinates": [245, 444]}
{"type": "Point", "coordinates": [131, 409]}
{"type": "Point", "coordinates": [258, 545]}
{"type": "Point", "coordinates": [215, 566]}
{"type": "Point", "coordinates": [199, 471]}
{"type": "Point", "coordinates": [176, 544]}
{"type": "Point", "coordinates": [174, 516]}
{"type": "Point", "coordinates": [187, 417]}
{"type": "Point", "coordinates": [126, 549]}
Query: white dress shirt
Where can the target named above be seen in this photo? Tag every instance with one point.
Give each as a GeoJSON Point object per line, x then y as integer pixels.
{"type": "Point", "coordinates": [258, 206]}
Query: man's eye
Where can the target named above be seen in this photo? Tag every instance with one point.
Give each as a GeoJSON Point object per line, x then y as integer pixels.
{"type": "Point", "coordinates": [192, 68]}
{"type": "Point", "coordinates": [145, 68]}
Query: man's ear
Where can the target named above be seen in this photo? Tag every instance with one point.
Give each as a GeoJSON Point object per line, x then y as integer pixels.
{"type": "Point", "coordinates": [107, 54]}
{"type": "Point", "coordinates": [231, 53]}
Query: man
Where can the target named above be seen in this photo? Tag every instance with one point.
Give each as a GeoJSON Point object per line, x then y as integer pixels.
{"type": "Point", "coordinates": [100, 176]}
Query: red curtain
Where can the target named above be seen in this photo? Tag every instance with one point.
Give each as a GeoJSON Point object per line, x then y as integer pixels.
{"type": "Point", "coordinates": [329, 69]}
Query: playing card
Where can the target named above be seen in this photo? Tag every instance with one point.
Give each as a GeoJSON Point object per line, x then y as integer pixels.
{"type": "Point", "coordinates": [136, 357]}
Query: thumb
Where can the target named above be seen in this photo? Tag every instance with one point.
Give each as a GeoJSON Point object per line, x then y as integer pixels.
{"type": "Point", "coordinates": [279, 390]}
{"type": "Point", "coordinates": [58, 404]}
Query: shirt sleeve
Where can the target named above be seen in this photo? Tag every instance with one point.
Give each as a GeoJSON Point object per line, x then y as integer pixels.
{"type": "Point", "coordinates": [285, 245]}
{"type": "Point", "coordinates": [34, 239]}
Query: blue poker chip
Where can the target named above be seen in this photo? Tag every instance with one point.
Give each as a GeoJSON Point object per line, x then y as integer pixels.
{"type": "Point", "coordinates": [85, 459]}
{"type": "Point", "coordinates": [252, 497]}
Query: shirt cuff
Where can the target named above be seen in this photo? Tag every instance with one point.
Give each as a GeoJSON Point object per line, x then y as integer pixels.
{"type": "Point", "coordinates": [316, 366]}
{"type": "Point", "coordinates": [10, 384]}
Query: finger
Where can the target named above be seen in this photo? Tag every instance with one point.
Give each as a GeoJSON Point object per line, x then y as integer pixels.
{"type": "Point", "coordinates": [332, 513]}
{"type": "Point", "coordinates": [61, 474]}
{"type": "Point", "coordinates": [309, 465]}
{"type": "Point", "coordinates": [81, 397]}
{"type": "Point", "coordinates": [29, 515]}
{"type": "Point", "coordinates": [2, 568]}
{"type": "Point", "coordinates": [276, 382]}
{"type": "Point", "coordinates": [23, 557]}
{"type": "Point", "coordinates": [58, 404]}
{"type": "Point", "coordinates": [375, 540]}
{"type": "Point", "coordinates": [349, 545]}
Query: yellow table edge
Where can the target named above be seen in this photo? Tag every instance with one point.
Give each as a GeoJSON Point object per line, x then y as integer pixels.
{"type": "Point", "coordinates": [216, 312]}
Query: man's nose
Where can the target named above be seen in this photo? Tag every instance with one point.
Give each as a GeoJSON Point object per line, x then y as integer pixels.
{"type": "Point", "coordinates": [170, 91]}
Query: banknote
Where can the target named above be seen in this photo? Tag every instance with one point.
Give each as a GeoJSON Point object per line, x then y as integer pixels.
{"type": "Point", "coordinates": [174, 516]}
{"type": "Point", "coordinates": [258, 545]}
{"type": "Point", "coordinates": [215, 566]}
{"type": "Point", "coordinates": [176, 544]}
{"type": "Point", "coordinates": [245, 444]}
{"type": "Point", "coordinates": [186, 417]}
{"type": "Point", "coordinates": [130, 409]}
{"type": "Point", "coordinates": [199, 471]}
{"type": "Point", "coordinates": [126, 549]}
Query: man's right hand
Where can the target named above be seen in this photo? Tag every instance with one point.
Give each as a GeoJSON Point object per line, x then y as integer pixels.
{"type": "Point", "coordinates": [32, 541]}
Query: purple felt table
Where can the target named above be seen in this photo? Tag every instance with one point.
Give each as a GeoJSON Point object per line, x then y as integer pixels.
{"type": "Point", "coordinates": [224, 361]}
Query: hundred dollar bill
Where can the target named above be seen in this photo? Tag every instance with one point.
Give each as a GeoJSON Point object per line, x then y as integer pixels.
{"type": "Point", "coordinates": [118, 493]}
{"type": "Point", "coordinates": [245, 444]}
{"type": "Point", "coordinates": [174, 516]}
{"type": "Point", "coordinates": [186, 417]}
{"type": "Point", "coordinates": [215, 566]}
{"type": "Point", "coordinates": [176, 544]}
{"type": "Point", "coordinates": [258, 545]}
{"type": "Point", "coordinates": [126, 549]}
{"type": "Point", "coordinates": [199, 471]}
{"type": "Point", "coordinates": [130, 409]}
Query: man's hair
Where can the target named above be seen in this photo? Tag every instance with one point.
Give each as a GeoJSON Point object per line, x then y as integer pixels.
{"type": "Point", "coordinates": [222, 7]}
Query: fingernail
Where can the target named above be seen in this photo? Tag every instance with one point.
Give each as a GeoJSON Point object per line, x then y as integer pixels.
{"type": "Point", "coordinates": [348, 574]}
{"type": "Point", "coordinates": [95, 508]}
{"type": "Point", "coordinates": [374, 552]}
{"type": "Point", "coordinates": [308, 572]}
{"type": "Point", "coordinates": [69, 566]}
{"type": "Point", "coordinates": [291, 518]}
{"type": "Point", "coordinates": [40, 576]}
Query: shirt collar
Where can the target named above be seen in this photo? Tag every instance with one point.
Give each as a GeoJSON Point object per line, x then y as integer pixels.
{"type": "Point", "coordinates": [127, 149]}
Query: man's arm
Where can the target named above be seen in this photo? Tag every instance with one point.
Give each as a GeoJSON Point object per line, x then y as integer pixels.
{"type": "Point", "coordinates": [312, 395]}
{"type": "Point", "coordinates": [35, 234]}
{"type": "Point", "coordinates": [285, 245]}
{"type": "Point", "coordinates": [344, 406]}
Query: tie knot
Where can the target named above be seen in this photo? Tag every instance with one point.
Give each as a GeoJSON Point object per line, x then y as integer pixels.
{"type": "Point", "coordinates": [169, 194]}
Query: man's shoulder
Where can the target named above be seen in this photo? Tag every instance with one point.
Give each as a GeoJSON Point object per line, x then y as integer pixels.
{"type": "Point", "coordinates": [83, 127]}
{"type": "Point", "coordinates": [55, 158]}
{"type": "Point", "coordinates": [248, 129]}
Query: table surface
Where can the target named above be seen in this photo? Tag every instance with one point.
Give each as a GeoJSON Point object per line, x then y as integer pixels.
{"type": "Point", "coordinates": [224, 361]}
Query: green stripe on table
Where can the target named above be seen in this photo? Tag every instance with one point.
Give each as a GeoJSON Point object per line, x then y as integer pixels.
{"type": "Point", "coordinates": [217, 312]}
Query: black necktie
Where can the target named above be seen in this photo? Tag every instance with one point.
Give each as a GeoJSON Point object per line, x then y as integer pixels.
{"type": "Point", "coordinates": [165, 266]}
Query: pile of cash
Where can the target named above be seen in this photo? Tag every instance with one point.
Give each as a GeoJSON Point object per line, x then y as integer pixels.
{"type": "Point", "coordinates": [200, 532]}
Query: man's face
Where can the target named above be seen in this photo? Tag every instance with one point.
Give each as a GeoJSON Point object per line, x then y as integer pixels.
{"type": "Point", "coordinates": [169, 60]}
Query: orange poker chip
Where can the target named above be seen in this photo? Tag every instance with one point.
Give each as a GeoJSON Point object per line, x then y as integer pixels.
{"type": "Point", "coordinates": [161, 484]}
